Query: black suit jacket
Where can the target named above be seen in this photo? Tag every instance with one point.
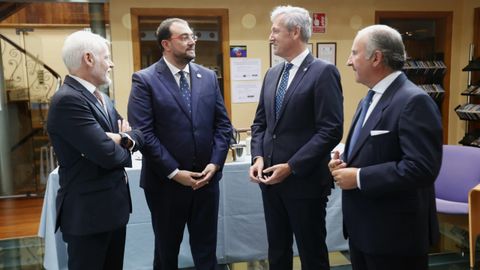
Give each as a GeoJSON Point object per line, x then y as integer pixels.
{"type": "Point", "coordinates": [399, 151]}
{"type": "Point", "coordinates": [93, 195]}
{"type": "Point", "coordinates": [174, 138]}
{"type": "Point", "coordinates": [310, 125]}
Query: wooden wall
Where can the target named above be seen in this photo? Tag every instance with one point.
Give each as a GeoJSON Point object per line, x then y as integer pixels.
{"type": "Point", "coordinates": [53, 14]}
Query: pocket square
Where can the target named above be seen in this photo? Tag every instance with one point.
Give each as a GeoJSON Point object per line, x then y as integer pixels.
{"type": "Point", "coordinates": [378, 132]}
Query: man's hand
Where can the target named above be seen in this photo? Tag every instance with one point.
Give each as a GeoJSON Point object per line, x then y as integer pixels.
{"type": "Point", "coordinates": [207, 175]}
{"type": "Point", "coordinates": [114, 136]}
{"type": "Point", "coordinates": [123, 125]}
{"type": "Point", "coordinates": [336, 163]}
{"type": "Point", "coordinates": [187, 178]}
{"type": "Point", "coordinates": [345, 178]}
{"type": "Point", "coordinates": [256, 169]}
{"type": "Point", "coordinates": [276, 174]}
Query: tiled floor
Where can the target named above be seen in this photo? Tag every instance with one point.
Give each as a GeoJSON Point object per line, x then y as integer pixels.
{"type": "Point", "coordinates": [27, 254]}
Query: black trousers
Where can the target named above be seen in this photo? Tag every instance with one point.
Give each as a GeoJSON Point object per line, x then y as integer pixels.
{"type": "Point", "coordinates": [173, 207]}
{"type": "Point", "coordinates": [302, 217]}
{"type": "Point", "coordinates": [100, 251]}
{"type": "Point", "coordinates": [364, 261]}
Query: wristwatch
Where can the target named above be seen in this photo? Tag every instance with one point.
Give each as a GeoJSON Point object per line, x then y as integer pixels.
{"type": "Point", "coordinates": [124, 140]}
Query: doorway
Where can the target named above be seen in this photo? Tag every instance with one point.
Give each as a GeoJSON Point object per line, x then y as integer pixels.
{"type": "Point", "coordinates": [211, 28]}
{"type": "Point", "coordinates": [428, 39]}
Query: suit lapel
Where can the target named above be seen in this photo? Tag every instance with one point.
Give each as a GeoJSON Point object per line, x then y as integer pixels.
{"type": "Point", "coordinates": [195, 85]}
{"type": "Point", "coordinates": [98, 109]}
{"type": "Point", "coordinates": [271, 90]}
{"type": "Point", "coordinates": [166, 77]}
{"type": "Point", "coordinates": [112, 114]}
{"type": "Point", "coordinates": [302, 70]}
{"type": "Point", "coordinates": [376, 114]}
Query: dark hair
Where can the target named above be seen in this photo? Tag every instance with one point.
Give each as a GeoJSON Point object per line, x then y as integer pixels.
{"type": "Point", "coordinates": [163, 30]}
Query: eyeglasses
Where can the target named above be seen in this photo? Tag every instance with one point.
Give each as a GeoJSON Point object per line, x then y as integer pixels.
{"type": "Point", "coordinates": [185, 37]}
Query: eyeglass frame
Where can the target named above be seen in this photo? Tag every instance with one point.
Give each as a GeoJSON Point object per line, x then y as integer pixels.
{"type": "Point", "coordinates": [185, 37]}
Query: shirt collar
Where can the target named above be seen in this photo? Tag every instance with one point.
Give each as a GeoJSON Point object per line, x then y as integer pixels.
{"type": "Point", "coordinates": [90, 87]}
{"type": "Point", "coordinates": [298, 60]}
{"type": "Point", "coordinates": [174, 69]}
{"type": "Point", "coordinates": [382, 85]}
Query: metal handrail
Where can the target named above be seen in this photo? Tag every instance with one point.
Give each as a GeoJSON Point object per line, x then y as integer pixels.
{"type": "Point", "coordinates": [53, 72]}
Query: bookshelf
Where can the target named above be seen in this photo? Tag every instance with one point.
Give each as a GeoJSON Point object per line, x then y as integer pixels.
{"type": "Point", "coordinates": [427, 36]}
{"type": "Point", "coordinates": [470, 111]}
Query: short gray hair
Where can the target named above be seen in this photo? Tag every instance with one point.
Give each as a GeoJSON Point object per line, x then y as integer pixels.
{"type": "Point", "coordinates": [79, 43]}
{"type": "Point", "coordinates": [386, 40]}
{"type": "Point", "coordinates": [293, 17]}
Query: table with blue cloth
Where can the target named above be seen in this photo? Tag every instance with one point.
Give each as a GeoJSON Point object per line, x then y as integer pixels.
{"type": "Point", "coordinates": [241, 223]}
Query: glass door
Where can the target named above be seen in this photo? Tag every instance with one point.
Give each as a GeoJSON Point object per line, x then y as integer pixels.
{"type": "Point", "coordinates": [26, 157]}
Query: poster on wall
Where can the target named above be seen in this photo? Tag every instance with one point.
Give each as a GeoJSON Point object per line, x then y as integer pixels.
{"type": "Point", "coordinates": [238, 51]}
{"type": "Point", "coordinates": [246, 91]}
{"type": "Point", "coordinates": [319, 22]}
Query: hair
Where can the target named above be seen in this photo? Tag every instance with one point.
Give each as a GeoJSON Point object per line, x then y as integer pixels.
{"type": "Point", "coordinates": [386, 40]}
{"type": "Point", "coordinates": [163, 30]}
{"type": "Point", "coordinates": [295, 17]}
{"type": "Point", "coordinates": [79, 43]}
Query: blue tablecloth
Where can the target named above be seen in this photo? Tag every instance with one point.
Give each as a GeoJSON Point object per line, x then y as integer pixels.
{"type": "Point", "coordinates": [241, 224]}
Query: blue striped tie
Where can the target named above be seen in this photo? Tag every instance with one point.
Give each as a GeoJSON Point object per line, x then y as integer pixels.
{"type": "Point", "coordinates": [361, 118]}
{"type": "Point", "coordinates": [185, 91]}
{"type": "Point", "coordinates": [282, 88]}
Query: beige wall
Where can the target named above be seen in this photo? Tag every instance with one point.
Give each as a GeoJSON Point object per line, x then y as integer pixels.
{"type": "Point", "coordinates": [345, 17]}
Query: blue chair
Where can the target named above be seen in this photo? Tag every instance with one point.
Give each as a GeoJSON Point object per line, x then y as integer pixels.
{"type": "Point", "coordinates": [457, 188]}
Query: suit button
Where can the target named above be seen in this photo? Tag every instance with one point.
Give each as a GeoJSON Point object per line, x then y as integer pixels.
{"type": "Point", "coordinates": [274, 136]}
{"type": "Point", "coordinates": [83, 155]}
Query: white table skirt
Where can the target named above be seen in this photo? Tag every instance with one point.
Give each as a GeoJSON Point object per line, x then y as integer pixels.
{"type": "Point", "coordinates": [241, 224]}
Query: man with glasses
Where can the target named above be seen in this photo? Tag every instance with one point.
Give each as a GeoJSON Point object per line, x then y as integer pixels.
{"type": "Point", "coordinates": [179, 107]}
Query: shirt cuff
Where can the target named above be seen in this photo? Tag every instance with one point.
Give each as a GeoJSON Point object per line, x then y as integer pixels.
{"type": "Point", "coordinates": [172, 174]}
{"type": "Point", "coordinates": [133, 142]}
{"type": "Point", "coordinates": [358, 178]}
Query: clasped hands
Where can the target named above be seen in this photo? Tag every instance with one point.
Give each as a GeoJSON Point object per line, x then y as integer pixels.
{"type": "Point", "coordinates": [196, 180]}
{"type": "Point", "coordinates": [344, 177]}
{"type": "Point", "coordinates": [271, 175]}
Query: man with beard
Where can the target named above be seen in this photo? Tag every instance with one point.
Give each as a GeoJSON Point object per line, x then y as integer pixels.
{"type": "Point", "coordinates": [92, 143]}
{"type": "Point", "coordinates": [179, 107]}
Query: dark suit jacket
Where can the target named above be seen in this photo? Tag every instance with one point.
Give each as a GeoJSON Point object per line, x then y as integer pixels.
{"type": "Point", "coordinates": [93, 195]}
{"type": "Point", "coordinates": [394, 211]}
{"type": "Point", "coordinates": [174, 138]}
{"type": "Point", "coordinates": [310, 125]}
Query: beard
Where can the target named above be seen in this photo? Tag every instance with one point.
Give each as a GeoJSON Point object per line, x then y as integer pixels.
{"type": "Point", "coordinates": [185, 57]}
{"type": "Point", "coordinates": [103, 76]}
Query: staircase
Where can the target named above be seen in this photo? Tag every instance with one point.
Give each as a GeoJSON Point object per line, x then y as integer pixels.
{"type": "Point", "coordinates": [29, 84]}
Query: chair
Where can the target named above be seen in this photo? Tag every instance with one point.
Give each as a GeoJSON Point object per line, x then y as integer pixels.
{"type": "Point", "coordinates": [457, 188]}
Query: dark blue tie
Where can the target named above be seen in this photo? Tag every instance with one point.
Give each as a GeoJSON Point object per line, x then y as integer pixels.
{"type": "Point", "coordinates": [185, 91]}
{"type": "Point", "coordinates": [282, 88]}
{"type": "Point", "coordinates": [361, 118]}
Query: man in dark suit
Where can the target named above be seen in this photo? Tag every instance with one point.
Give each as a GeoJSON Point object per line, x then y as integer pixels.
{"type": "Point", "coordinates": [392, 157]}
{"type": "Point", "coordinates": [92, 143]}
{"type": "Point", "coordinates": [179, 107]}
{"type": "Point", "coordinates": [298, 122]}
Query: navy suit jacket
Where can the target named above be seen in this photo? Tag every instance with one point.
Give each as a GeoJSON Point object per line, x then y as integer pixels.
{"type": "Point", "coordinates": [174, 138]}
{"type": "Point", "coordinates": [310, 125]}
{"type": "Point", "coordinates": [394, 212]}
{"type": "Point", "coordinates": [93, 196]}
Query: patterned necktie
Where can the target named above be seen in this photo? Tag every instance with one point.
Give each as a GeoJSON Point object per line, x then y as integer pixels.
{"type": "Point", "coordinates": [361, 118]}
{"type": "Point", "coordinates": [99, 97]}
{"type": "Point", "coordinates": [282, 88]}
{"type": "Point", "coordinates": [185, 91]}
